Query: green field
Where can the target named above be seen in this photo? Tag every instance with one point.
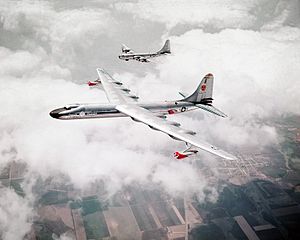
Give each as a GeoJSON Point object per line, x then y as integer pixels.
{"type": "Point", "coordinates": [95, 226]}
{"type": "Point", "coordinates": [54, 197]}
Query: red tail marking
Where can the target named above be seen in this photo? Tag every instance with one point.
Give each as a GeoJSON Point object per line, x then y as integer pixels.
{"type": "Point", "coordinates": [208, 75]}
{"type": "Point", "coordinates": [203, 87]}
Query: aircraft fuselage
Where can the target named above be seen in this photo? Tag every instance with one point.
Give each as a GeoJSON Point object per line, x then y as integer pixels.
{"type": "Point", "coordinates": [94, 110]}
{"type": "Point", "coordinates": [139, 56]}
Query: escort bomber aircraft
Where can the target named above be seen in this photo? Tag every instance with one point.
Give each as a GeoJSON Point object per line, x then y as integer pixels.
{"type": "Point", "coordinates": [124, 104]}
{"type": "Point", "coordinates": [128, 54]}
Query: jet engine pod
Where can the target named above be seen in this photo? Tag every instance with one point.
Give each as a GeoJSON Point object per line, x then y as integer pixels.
{"type": "Point", "coordinates": [190, 132]}
{"type": "Point", "coordinates": [118, 83]}
{"type": "Point", "coordinates": [176, 124]}
{"type": "Point", "coordinates": [134, 97]}
{"type": "Point", "coordinates": [125, 89]}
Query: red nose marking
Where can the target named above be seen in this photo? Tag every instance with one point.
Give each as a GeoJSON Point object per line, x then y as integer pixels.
{"type": "Point", "coordinates": [179, 155]}
{"type": "Point", "coordinates": [91, 83]}
{"type": "Point", "coordinates": [171, 111]}
{"type": "Point", "coordinates": [203, 87]}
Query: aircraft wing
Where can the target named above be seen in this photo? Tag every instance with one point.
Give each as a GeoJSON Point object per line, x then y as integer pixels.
{"type": "Point", "coordinates": [142, 59]}
{"type": "Point", "coordinates": [115, 91]}
{"type": "Point", "coordinates": [140, 114]}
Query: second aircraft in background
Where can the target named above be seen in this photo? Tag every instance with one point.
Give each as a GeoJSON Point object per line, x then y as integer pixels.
{"type": "Point", "coordinates": [128, 54]}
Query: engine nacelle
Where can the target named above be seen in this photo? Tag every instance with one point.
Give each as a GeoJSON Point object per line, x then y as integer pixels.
{"type": "Point", "coordinates": [190, 132]}
{"type": "Point", "coordinates": [118, 83]}
{"type": "Point", "coordinates": [125, 89]}
{"type": "Point", "coordinates": [134, 97]}
{"type": "Point", "coordinates": [161, 116]}
{"type": "Point", "coordinates": [176, 124]}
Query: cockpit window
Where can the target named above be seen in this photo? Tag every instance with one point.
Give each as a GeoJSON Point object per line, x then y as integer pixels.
{"type": "Point", "coordinates": [70, 106]}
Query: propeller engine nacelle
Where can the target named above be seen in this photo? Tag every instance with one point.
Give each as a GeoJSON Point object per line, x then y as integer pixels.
{"type": "Point", "coordinates": [133, 97]}
{"type": "Point", "coordinates": [176, 124]}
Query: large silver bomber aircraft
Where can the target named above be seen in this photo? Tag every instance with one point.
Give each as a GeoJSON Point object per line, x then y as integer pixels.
{"type": "Point", "coordinates": [123, 104]}
{"type": "Point", "coordinates": [129, 54]}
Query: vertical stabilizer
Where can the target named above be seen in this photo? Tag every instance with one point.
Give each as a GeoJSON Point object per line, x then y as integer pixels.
{"type": "Point", "coordinates": [165, 48]}
{"type": "Point", "coordinates": [202, 97]}
{"type": "Point", "coordinates": [126, 49]}
{"type": "Point", "coordinates": [204, 91]}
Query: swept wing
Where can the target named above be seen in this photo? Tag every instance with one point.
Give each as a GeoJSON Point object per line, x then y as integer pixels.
{"type": "Point", "coordinates": [141, 59]}
{"type": "Point", "coordinates": [115, 91]}
{"type": "Point", "coordinates": [156, 123]}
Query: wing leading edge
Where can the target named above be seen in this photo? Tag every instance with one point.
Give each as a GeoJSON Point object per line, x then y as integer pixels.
{"type": "Point", "coordinates": [115, 91]}
{"type": "Point", "coordinates": [187, 136]}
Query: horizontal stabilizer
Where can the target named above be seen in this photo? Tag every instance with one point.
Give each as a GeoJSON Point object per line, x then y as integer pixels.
{"type": "Point", "coordinates": [211, 109]}
{"type": "Point", "coordinates": [183, 94]}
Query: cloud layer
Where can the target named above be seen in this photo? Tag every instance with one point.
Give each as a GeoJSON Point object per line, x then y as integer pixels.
{"type": "Point", "coordinates": [15, 215]}
{"type": "Point", "coordinates": [48, 49]}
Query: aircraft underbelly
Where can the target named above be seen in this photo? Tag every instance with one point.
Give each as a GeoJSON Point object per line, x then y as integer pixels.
{"type": "Point", "coordinates": [92, 115]}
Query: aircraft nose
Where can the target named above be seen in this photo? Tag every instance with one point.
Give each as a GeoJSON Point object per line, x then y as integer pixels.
{"type": "Point", "coordinates": [55, 113]}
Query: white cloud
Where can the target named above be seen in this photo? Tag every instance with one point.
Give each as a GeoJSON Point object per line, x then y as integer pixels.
{"type": "Point", "coordinates": [215, 13]}
{"type": "Point", "coordinates": [15, 215]}
{"type": "Point", "coordinates": [179, 178]}
{"type": "Point", "coordinates": [65, 35]}
{"type": "Point", "coordinates": [16, 63]}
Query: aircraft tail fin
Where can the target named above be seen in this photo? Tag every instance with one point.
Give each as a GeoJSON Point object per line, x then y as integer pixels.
{"type": "Point", "coordinates": [204, 91]}
{"type": "Point", "coordinates": [202, 97]}
{"type": "Point", "coordinates": [126, 49]}
{"type": "Point", "coordinates": [165, 48]}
